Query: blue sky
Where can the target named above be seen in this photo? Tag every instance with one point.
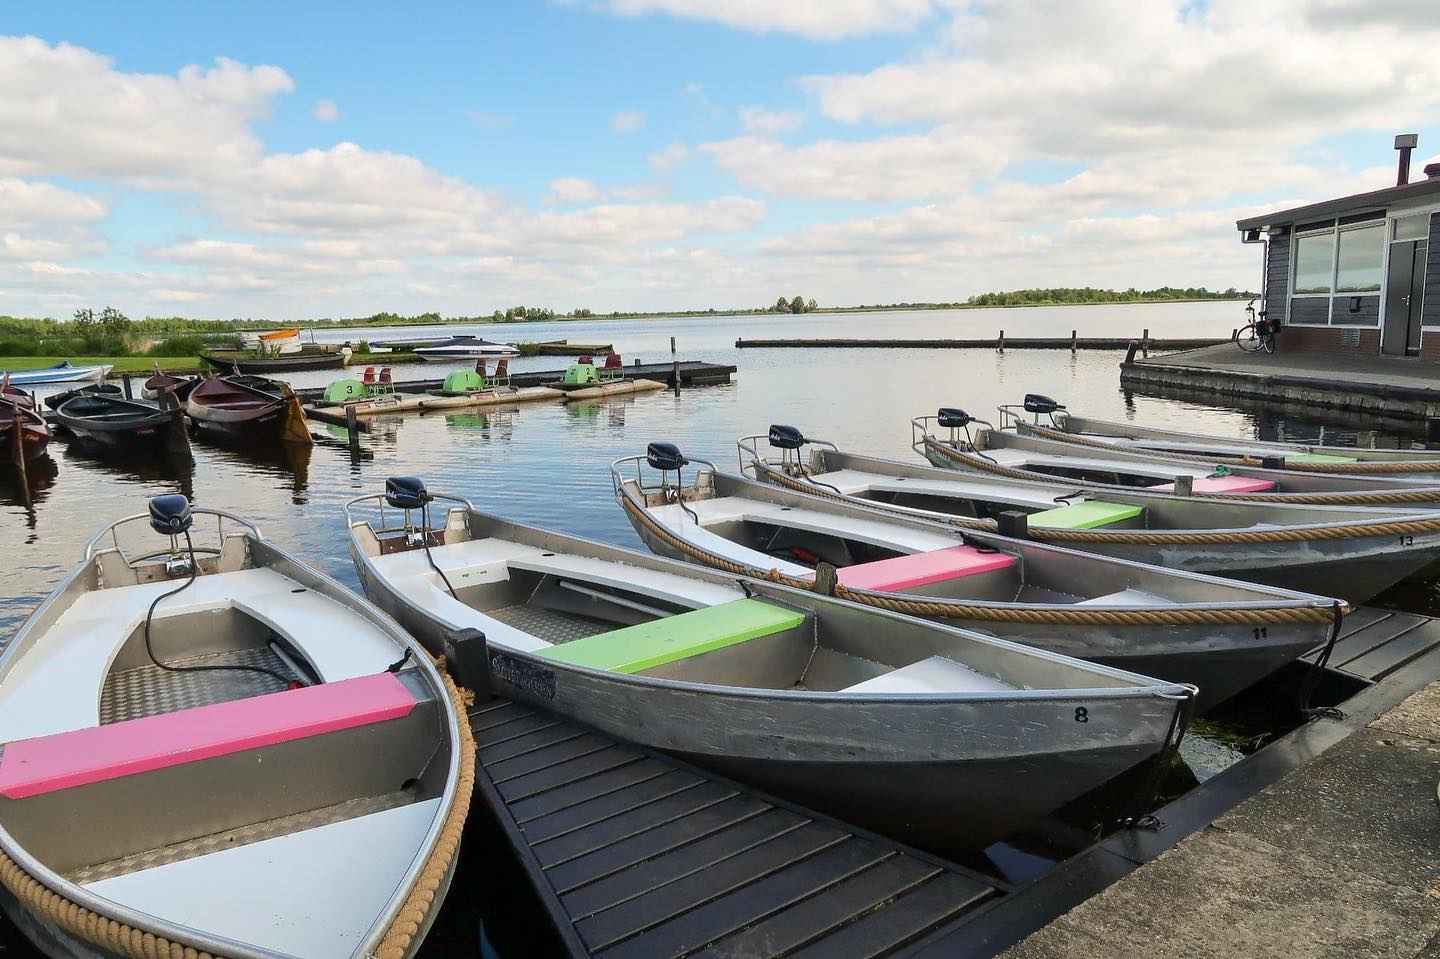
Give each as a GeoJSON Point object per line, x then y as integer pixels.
{"type": "Point", "coordinates": [287, 160]}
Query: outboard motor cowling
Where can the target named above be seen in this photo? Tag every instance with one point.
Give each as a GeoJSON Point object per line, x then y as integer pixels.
{"type": "Point", "coordinates": [786, 437]}
{"type": "Point", "coordinates": [406, 492]}
{"type": "Point", "coordinates": [1039, 403]}
{"type": "Point", "coordinates": [170, 514]}
{"type": "Point", "coordinates": [665, 457]}
{"type": "Point", "coordinates": [953, 418]}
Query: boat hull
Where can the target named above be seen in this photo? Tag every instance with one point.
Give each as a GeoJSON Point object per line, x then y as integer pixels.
{"type": "Point", "coordinates": [285, 363]}
{"type": "Point", "coordinates": [247, 414]}
{"type": "Point", "coordinates": [58, 374]}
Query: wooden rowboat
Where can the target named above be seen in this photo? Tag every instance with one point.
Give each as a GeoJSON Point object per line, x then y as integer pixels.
{"type": "Point", "coordinates": [247, 407]}
{"type": "Point", "coordinates": [1218, 634]}
{"type": "Point", "coordinates": [947, 737]}
{"type": "Point", "coordinates": [120, 423]}
{"type": "Point", "coordinates": [1350, 552]}
{"type": "Point", "coordinates": [23, 432]}
{"type": "Point", "coordinates": [213, 744]}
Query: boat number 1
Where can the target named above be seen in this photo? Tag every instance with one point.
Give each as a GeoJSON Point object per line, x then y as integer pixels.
{"type": "Point", "coordinates": [1082, 715]}
{"type": "Point", "coordinates": [1407, 541]}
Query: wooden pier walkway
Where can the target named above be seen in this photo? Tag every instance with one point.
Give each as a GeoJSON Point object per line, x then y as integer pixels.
{"type": "Point", "coordinates": [634, 853]}
{"type": "Point", "coordinates": [637, 854]}
{"type": "Point", "coordinates": [1001, 343]}
{"type": "Point", "coordinates": [692, 373]}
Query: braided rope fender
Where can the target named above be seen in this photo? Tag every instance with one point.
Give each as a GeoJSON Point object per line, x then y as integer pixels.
{"type": "Point", "coordinates": [1366, 498]}
{"type": "Point", "coordinates": [125, 940]}
{"type": "Point", "coordinates": [1169, 616]}
{"type": "Point", "coordinates": [1384, 466]}
{"type": "Point", "coordinates": [1122, 537]}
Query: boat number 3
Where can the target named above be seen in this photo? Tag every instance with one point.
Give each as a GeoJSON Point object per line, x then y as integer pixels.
{"type": "Point", "coordinates": [1261, 632]}
{"type": "Point", "coordinates": [1407, 541]}
{"type": "Point", "coordinates": [1082, 715]}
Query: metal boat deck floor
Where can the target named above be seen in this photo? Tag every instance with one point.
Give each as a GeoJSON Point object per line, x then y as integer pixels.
{"type": "Point", "coordinates": [550, 625]}
{"type": "Point", "coordinates": [1376, 642]}
{"type": "Point", "coordinates": [150, 690]}
{"type": "Point", "coordinates": [235, 838]}
{"type": "Point", "coordinates": [636, 854]}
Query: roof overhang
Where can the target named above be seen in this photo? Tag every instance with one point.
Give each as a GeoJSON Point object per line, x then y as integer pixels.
{"type": "Point", "coordinates": [1345, 205]}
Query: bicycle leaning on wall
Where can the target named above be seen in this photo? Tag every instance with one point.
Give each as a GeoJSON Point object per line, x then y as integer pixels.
{"type": "Point", "coordinates": [1258, 334]}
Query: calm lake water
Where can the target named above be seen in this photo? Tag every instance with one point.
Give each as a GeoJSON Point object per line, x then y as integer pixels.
{"type": "Point", "coordinates": [547, 464]}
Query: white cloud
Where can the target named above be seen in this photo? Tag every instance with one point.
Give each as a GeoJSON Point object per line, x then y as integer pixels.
{"type": "Point", "coordinates": [627, 121]}
{"type": "Point", "coordinates": [760, 120]}
{"type": "Point", "coordinates": [571, 190]}
{"type": "Point", "coordinates": [490, 120]}
{"type": "Point", "coordinates": [663, 161]}
{"type": "Point", "coordinates": [325, 111]}
{"type": "Point", "coordinates": [815, 19]}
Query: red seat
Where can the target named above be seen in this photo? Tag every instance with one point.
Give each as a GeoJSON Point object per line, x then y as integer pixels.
{"type": "Point", "coordinates": [386, 385]}
{"type": "Point", "coordinates": [369, 378]}
{"type": "Point", "coordinates": [613, 362]}
{"type": "Point", "coordinates": [480, 367]}
{"type": "Point", "coordinates": [921, 569]}
{"type": "Point", "coordinates": [45, 764]}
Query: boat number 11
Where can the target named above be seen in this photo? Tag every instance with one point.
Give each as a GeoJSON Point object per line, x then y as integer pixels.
{"type": "Point", "coordinates": [1407, 541]}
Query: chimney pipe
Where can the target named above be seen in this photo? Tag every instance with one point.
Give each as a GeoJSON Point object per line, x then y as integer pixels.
{"type": "Point", "coordinates": [1432, 171]}
{"type": "Point", "coordinates": [1405, 142]}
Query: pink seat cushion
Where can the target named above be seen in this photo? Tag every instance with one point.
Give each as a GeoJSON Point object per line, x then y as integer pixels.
{"type": "Point", "coordinates": [922, 569]}
{"type": "Point", "coordinates": [32, 767]}
{"type": "Point", "coordinates": [1222, 484]}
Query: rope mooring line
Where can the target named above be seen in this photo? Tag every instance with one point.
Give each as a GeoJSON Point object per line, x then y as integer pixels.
{"type": "Point", "coordinates": [135, 942]}
{"type": "Point", "coordinates": [1165, 616]}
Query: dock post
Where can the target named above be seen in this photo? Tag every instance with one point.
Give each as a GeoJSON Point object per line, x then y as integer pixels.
{"type": "Point", "coordinates": [1130, 352]}
{"type": "Point", "coordinates": [1184, 485]}
{"type": "Point", "coordinates": [125, 383]}
{"type": "Point", "coordinates": [1365, 439]}
{"type": "Point", "coordinates": [1072, 341]}
{"type": "Point", "coordinates": [1000, 343]}
{"type": "Point", "coordinates": [674, 366]}
{"type": "Point", "coordinates": [352, 426]}
{"type": "Point", "coordinates": [1145, 343]}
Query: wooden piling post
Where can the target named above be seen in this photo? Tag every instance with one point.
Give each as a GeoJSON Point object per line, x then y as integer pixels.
{"type": "Point", "coordinates": [1365, 439]}
{"type": "Point", "coordinates": [1000, 343]}
{"type": "Point", "coordinates": [1145, 343]}
{"type": "Point", "coordinates": [352, 427]}
{"type": "Point", "coordinates": [125, 384]}
{"type": "Point", "coordinates": [1184, 485]}
{"type": "Point", "coordinates": [674, 366]}
{"type": "Point", "coordinates": [1072, 341]}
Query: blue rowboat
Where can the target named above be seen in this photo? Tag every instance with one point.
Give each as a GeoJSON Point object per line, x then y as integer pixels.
{"type": "Point", "coordinates": [65, 372]}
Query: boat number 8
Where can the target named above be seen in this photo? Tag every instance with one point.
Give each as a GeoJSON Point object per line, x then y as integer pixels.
{"type": "Point", "coordinates": [1082, 715]}
{"type": "Point", "coordinates": [1407, 541]}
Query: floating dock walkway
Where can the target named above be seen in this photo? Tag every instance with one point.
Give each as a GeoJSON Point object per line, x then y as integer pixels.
{"type": "Point", "coordinates": [633, 853]}
{"type": "Point", "coordinates": [1001, 343]}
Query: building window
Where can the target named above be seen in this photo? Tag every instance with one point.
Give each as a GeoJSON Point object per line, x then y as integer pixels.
{"type": "Point", "coordinates": [1314, 263]}
{"type": "Point", "coordinates": [1362, 251]}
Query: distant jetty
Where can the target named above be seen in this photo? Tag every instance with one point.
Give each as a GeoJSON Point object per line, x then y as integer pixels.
{"type": "Point", "coordinates": [1001, 342]}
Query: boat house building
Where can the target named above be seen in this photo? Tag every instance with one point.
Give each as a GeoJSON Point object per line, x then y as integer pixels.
{"type": "Point", "coordinates": [1359, 275]}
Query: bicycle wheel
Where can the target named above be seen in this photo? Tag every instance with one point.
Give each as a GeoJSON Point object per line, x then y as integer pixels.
{"type": "Point", "coordinates": [1268, 341]}
{"type": "Point", "coordinates": [1247, 339]}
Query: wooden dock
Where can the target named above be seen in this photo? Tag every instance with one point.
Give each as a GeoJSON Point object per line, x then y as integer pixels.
{"type": "Point", "coordinates": [636, 854]}
{"type": "Point", "coordinates": [692, 373]}
{"type": "Point", "coordinates": [633, 853]}
{"type": "Point", "coordinates": [1001, 343]}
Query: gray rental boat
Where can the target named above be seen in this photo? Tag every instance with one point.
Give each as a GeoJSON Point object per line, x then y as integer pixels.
{"type": "Point", "coordinates": [1065, 426]}
{"type": "Point", "coordinates": [215, 746]}
{"type": "Point", "coordinates": [1219, 634]}
{"type": "Point", "coordinates": [947, 737]}
{"type": "Point", "coordinates": [1006, 452]}
{"type": "Point", "coordinates": [1350, 552]}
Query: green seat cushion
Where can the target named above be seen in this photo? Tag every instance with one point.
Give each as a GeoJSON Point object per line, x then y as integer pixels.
{"type": "Point", "coordinates": [661, 641]}
{"type": "Point", "coordinates": [1320, 458]}
{"type": "Point", "coordinates": [1087, 515]}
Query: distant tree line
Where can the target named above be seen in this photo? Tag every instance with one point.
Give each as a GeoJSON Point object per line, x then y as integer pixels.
{"type": "Point", "coordinates": [796, 304]}
{"type": "Point", "coordinates": [1090, 294]}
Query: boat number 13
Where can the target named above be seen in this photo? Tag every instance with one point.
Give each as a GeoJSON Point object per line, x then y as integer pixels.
{"type": "Point", "coordinates": [1407, 541]}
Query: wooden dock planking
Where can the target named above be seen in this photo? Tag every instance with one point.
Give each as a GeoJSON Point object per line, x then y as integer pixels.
{"type": "Point", "coordinates": [692, 373]}
{"type": "Point", "coordinates": [637, 854]}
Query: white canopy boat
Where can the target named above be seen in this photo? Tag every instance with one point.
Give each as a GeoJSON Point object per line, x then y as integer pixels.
{"type": "Point", "coordinates": [217, 746]}
{"type": "Point", "coordinates": [465, 347]}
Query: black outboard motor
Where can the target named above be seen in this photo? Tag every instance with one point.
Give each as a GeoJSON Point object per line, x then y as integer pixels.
{"type": "Point", "coordinates": [1038, 403]}
{"type": "Point", "coordinates": [953, 418]}
{"type": "Point", "coordinates": [170, 514]}
{"type": "Point", "coordinates": [406, 492]}
{"type": "Point", "coordinates": [665, 457]}
{"type": "Point", "coordinates": [786, 437]}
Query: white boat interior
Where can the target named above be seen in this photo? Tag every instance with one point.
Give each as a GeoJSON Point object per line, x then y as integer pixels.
{"type": "Point", "coordinates": [171, 769]}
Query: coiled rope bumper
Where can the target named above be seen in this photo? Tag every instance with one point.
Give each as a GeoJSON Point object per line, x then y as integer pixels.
{"type": "Point", "coordinates": [1124, 537]}
{"type": "Point", "coordinates": [1374, 466]}
{"type": "Point", "coordinates": [125, 940]}
{"type": "Point", "coordinates": [1069, 616]}
{"type": "Point", "coordinates": [1358, 498]}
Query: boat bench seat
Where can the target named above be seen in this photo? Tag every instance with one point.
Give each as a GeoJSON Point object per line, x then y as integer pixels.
{"type": "Point", "coordinates": [1222, 484]}
{"type": "Point", "coordinates": [1089, 514]}
{"type": "Point", "coordinates": [933, 675]}
{"type": "Point", "coordinates": [921, 569]}
{"type": "Point", "coordinates": [661, 641]}
{"type": "Point", "coordinates": [1320, 458]}
{"type": "Point", "coordinates": [1127, 597]}
{"type": "Point", "coordinates": [46, 764]}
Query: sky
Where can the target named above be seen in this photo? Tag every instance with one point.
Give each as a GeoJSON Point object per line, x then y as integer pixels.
{"type": "Point", "coordinates": [288, 160]}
